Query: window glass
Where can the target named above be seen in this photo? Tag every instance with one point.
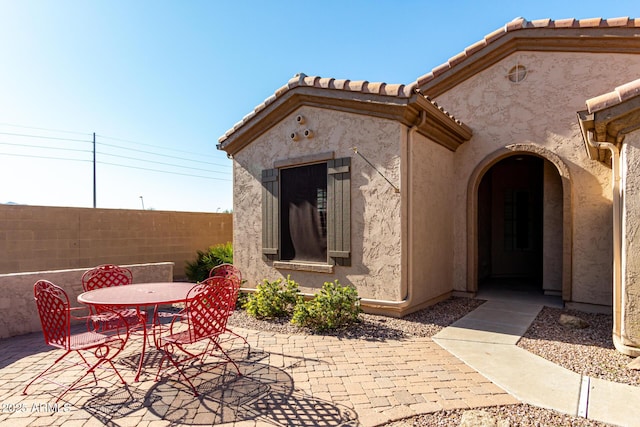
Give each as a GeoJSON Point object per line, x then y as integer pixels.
{"type": "Point", "coordinates": [303, 213]}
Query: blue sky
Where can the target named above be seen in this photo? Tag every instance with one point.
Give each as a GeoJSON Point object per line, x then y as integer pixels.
{"type": "Point", "coordinates": [160, 81]}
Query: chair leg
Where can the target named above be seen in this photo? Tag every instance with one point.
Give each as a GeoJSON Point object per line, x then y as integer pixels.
{"type": "Point", "coordinates": [226, 356]}
{"type": "Point", "coordinates": [24, 392]}
{"type": "Point", "coordinates": [229, 331]}
{"type": "Point", "coordinates": [175, 365]}
{"type": "Point", "coordinates": [144, 349]}
{"type": "Point", "coordinates": [90, 370]}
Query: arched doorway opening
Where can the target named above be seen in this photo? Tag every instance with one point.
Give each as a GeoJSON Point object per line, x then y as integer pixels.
{"type": "Point", "coordinates": [519, 223]}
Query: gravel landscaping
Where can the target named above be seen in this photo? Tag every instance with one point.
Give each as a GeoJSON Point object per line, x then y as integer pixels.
{"type": "Point", "coordinates": [588, 351]}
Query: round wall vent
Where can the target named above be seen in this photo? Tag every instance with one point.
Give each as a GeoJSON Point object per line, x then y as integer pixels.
{"type": "Point", "coordinates": [517, 73]}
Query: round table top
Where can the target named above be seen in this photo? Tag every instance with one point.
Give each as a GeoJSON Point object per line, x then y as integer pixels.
{"type": "Point", "coordinates": [138, 294]}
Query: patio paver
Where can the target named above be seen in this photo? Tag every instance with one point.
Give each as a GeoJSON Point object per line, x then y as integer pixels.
{"type": "Point", "coordinates": [287, 380]}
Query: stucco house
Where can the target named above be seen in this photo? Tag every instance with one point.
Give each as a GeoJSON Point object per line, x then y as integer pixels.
{"type": "Point", "coordinates": [513, 163]}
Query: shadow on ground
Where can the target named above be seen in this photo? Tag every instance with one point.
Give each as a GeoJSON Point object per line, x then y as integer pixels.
{"type": "Point", "coordinates": [262, 392]}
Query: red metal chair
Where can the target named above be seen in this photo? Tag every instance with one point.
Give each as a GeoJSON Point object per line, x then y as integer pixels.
{"type": "Point", "coordinates": [105, 276]}
{"type": "Point", "coordinates": [232, 272]}
{"type": "Point", "coordinates": [108, 275]}
{"type": "Point", "coordinates": [207, 308]}
{"type": "Point", "coordinates": [226, 270]}
{"type": "Point", "coordinates": [103, 343]}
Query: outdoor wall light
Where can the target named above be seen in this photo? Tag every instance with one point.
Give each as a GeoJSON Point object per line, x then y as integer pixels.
{"type": "Point", "coordinates": [308, 133]}
{"type": "Point", "coordinates": [300, 119]}
{"type": "Point", "coordinates": [293, 136]}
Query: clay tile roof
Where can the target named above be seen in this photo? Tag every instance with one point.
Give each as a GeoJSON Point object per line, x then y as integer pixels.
{"type": "Point", "coordinates": [302, 80]}
{"type": "Point", "coordinates": [619, 95]}
{"type": "Point", "coordinates": [406, 91]}
{"type": "Point", "coordinates": [519, 24]}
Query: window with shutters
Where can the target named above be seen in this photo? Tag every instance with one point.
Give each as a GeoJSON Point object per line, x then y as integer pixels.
{"type": "Point", "coordinates": [306, 213]}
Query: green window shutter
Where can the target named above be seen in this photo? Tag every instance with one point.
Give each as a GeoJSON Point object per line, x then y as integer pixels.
{"type": "Point", "coordinates": [270, 218]}
{"type": "Point", "coordinates": [339, 211]}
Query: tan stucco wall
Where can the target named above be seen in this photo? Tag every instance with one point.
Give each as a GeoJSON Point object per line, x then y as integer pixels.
{"type": "Point", "coordinates": [552, 235]}
{"type": "Point", "coordinates": [631, 239]}
{"type": "Point", "coordinates": [375, 206]}
{"type": "Point", "coordinates": [35, 238]}
{"type": "Point", "coordinates": [430, 232]}
{"type": "Point", "coordinates": [541, 111]}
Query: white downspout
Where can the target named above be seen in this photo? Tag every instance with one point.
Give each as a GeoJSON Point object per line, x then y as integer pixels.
{"type": "Point", "coordinates": [618, 286]}
{"type": "Point", "coordinates": [406, 287]}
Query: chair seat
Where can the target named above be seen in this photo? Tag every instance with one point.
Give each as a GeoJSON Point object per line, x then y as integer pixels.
{"type": "Point", "coordinates": [177, 338]}
{"type": "Point", "coordinates": [127, 317]}
{"type": "Point", "coordinates": [87, 339]}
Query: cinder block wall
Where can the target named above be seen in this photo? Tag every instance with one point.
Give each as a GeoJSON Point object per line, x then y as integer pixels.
{"type": "Point", "coordinates": [36, 238]}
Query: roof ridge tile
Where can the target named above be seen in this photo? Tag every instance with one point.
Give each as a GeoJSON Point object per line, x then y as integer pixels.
{"type": "Point", "coordinates": [629, 90]}
{"type": "Point", "coordinates": [590, 22]}
{"type": "Point", "coordinates": [340, 84]}
{"type": "Point", "coordinates": [517, 24]}
{"type": "Point", "coordinates": [541, 23]}
{"type": "Point", "coordinates": [563, 23]}
{"type": "Point", "coordinates": [622, 21]}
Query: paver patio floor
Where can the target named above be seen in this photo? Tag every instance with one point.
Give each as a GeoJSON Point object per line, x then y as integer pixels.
{"type": "Point", "coordinates": [287, 380]}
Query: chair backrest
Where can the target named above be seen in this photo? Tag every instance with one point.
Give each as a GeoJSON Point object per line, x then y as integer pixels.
{"type": "Point", "coordinates": [226, 270]}
{"type": "Point", "coordinates": [54, 311]}
{"type": "Point", "coordinates": [209, 305]}
{"type": "Point", "coordinates": [105, 276]}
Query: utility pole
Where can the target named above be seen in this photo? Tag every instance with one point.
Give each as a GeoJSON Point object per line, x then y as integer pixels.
{"type": "Point", "coordinates": [94, 170]}
{"type": "Point", "coordinates": [142, 200]}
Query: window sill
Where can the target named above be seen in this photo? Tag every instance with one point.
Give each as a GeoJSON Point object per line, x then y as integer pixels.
{"type": "Point", "coordinates": [299, 266]}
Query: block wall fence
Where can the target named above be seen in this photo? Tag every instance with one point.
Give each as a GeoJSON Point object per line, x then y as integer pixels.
{"type": "Point", "coordinates": [39, 238]}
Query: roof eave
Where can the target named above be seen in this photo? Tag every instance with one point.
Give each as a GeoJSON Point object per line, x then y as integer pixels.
{"type": "Point", "coordinates": [497, 46]}
{"type": "Point", "coordinates": [609, 118]}
{"type": "Point", "coordinates": [439, 126]}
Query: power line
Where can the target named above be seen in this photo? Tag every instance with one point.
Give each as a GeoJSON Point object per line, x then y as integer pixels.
{"type": "Point", "coordinates": [159, 163]}
{"type": "Point", "coordinates": [109, 145]}
{"type": "Point", "coordinates": [147, 145]}
{"type": "Point", "coordinates": [161, 171]}
{"type": "Point", "coordinates": [162, 155]}
{"type": "Point", "coordinates": [89, 134]}
{"type": "Point", "coordinates": [44, 157]}
{"type": "Point", "coordinates": [47, 129]}
{"type": "Point", "coordinates": [44, 147]}
{"type": "Point", "coordinates": [113, 164]}
{"type": "Point", "coordinates": [43, 137]}
{"type": "Point", "coordinates": [108, 154]}
{"type": "Point", "coordinates": [26, 135]}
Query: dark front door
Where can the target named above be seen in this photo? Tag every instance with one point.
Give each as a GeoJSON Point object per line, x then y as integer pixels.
{"type": "Point", "coordinates": [510, 220]}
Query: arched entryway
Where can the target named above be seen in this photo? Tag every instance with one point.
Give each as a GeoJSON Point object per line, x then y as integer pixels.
{"type": "Point", "coordinates": [510, 224]}
{"type": "Point", "coordinates": [519, 223]}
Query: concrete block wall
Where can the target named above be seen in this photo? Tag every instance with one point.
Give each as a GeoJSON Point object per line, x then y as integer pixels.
{"type": "Point", "coordinates": [36, 238]}
{"type": "Point", "coordinates": [19, 314]}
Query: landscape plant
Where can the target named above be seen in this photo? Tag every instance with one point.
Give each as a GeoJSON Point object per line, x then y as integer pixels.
{"type": "Point", "coordinates": [273, 299]}
{"type": "Point", "coordinates": [198, 270]}
{"type": "Point", "coordinates": [333, 307]}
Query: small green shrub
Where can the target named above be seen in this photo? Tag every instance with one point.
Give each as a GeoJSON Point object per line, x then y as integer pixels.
{"type": "Point", "coordinates": [333, 307]}
{"type": "Point", "coordinates": [199, 269]}
{"type": "Point", "coordinates": [273, 299]}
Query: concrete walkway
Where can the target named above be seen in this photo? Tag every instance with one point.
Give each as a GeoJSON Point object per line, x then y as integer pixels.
{"type": "Point", "coordinates": [486, 340]}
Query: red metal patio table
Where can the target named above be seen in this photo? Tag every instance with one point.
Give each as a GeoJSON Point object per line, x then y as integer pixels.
{"type": "Point", "coordinates": [138, 295]}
